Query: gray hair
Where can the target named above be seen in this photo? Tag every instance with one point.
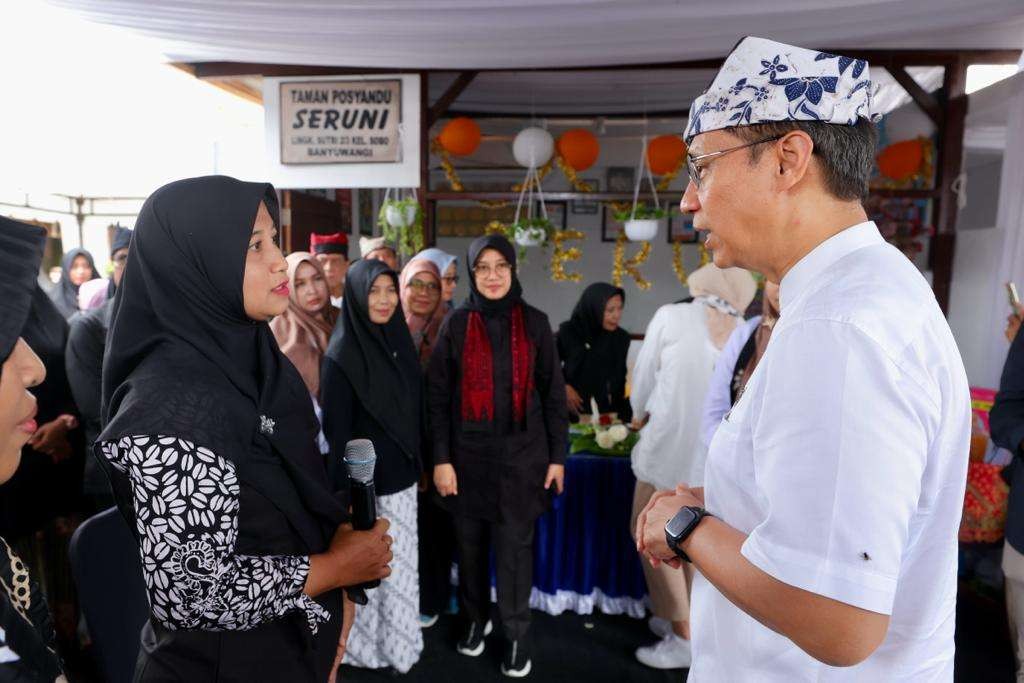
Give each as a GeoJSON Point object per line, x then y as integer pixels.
{"type": "Point", "coordinates": [846, 153]}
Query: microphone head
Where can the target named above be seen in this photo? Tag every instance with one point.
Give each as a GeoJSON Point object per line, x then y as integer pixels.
{"type": "Point", "coordinates": [360, 459]}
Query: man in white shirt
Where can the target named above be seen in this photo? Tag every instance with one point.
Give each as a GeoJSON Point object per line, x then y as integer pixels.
{"type": "Point", "coordinates": [836, 481]}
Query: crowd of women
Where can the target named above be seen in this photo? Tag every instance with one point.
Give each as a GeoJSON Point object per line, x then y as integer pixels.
{"type": "Point", "coordinates": [215, 385]}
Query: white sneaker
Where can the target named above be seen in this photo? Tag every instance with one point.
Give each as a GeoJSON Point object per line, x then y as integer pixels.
{"type": "Point", "coordinates": [671, 652]}
{"type": "Point", "coordinates": [659, 627]}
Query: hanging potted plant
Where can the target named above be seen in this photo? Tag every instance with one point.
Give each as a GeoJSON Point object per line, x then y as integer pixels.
{"type": "Point", "coordinates": [641, 223]}
{"type": "Point", "coordinates": [532, 232]}
{"type": "Point", "coordinates": [401, 223]}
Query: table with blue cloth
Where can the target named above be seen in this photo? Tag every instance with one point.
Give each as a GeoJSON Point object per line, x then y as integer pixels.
{"type": "Point", "coordinates": [584, 554]}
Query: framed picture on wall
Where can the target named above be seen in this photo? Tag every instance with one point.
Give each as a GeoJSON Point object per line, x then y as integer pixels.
{"type": "Point", "coordinates": [468, 219]}
{"type": "Point", "coordinates": [366, 217]}
{"type": "Point", "coordinates": [610, 227]}
{"type": "Point", "coordinates": [620, 178]}
{"type": "Point", "coordinates": [556, 213]}
{"type": "Point", "coordinates": [586, 207]}
{"type": "Point", "coordinates": [680, 228]}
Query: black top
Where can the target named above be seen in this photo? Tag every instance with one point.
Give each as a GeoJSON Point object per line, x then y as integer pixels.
{"type": "Point", "coordinates": [1006, 420]}
{"type": "Point", "coordinates": [21, 250]}
{"type": "Point", "coordinates": [65, 294]}
{"type": "Point", "coordinates": [594, 359]}
{"type": "Point", "coordinates": [183, 360]}
{"type": "Point", "coordinates": [346, 418]}
{"type": "Point", "coordinates": [87, 339]}
{"type": "Point", "coordinates": [500, 471]}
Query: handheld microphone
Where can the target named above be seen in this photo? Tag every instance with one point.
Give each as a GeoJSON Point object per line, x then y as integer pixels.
{"type": "Point", "coordinates": [360, 459]}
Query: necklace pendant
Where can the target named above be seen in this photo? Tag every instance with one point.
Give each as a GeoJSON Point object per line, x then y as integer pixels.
{"type": "Point", "coordinates": [266, 425]}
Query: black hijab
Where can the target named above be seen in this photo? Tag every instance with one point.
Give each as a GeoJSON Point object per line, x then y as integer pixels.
{"type": "Point", "coordinates": [593, 359]}
{"type": "Point", "coordinates": [28, 632]}
{"type": "Point", "coordinates": [122, 240]}
{"type": "Point", "coordinates": [476, 300]}
{"type": "Point", "coordinates": [65, 294]}
{"type": "Point", "coordinates": [379, 360]}
{"type": "Point", "coordinates": [184, 360]}
{"type": "Point", "coordinates": [21, 251]}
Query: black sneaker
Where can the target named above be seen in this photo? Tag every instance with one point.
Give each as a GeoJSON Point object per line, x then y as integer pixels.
{"type": "Point", "coordinates": [473, 644]}
{"type": "Point", "coordinates": [517, 662]}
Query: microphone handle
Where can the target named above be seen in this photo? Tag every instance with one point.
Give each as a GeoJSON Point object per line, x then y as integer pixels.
{"type": "Point", "coordinates": [364, 515]}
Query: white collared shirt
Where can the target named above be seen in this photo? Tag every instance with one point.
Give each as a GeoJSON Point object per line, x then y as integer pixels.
{"type": "Point", "coordinates": [845, 462]}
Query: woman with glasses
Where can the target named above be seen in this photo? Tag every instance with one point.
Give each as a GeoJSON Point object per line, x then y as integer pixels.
{"type": "Point", "coordinates": [446, 266]}
{"type": "Point", "coordinates": [371, 388]}
{"type": "Point", "coordinates": [496, 400]}
{"type": "Point", "coordinates": [421, 301]}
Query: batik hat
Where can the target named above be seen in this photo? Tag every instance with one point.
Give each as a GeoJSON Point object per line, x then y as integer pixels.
{"type": "Point", "coordinates": [763, 81]}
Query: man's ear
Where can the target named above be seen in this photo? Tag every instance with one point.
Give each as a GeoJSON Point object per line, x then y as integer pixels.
{"type": "Point", "coordinates": [793, 158]}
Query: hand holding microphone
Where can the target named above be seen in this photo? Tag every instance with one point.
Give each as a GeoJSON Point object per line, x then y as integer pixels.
{"type": "Point", "coordinates": [360, 553]}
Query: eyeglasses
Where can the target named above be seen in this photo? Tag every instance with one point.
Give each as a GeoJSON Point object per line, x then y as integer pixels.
{"type": "Point", "coordinates": [694, 170]}
{"type": "Point", "coordinates": [453, 280]}
{"type": "Point", "coordinates": [502, 269]}
{"type": "Point", "coordinates": [431, 288]}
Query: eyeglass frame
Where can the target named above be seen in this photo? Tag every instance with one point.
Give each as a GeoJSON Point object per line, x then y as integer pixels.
{"type": "Point", "coordinates": [691, 162]}
{"type": "Point", "coordinates": [501, 269]}
{"type": "Point", "coordinates": [450, 279]}
{"type": "Point", "coordinates": [431, 288]}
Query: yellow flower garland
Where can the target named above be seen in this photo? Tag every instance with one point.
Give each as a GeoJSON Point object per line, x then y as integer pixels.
{"type": "Point", "coordinates": [560, 255]}
{"type": "Point", "coordinates": [622, 266]}
{"type": "Point", "coordinates": [677, 262]}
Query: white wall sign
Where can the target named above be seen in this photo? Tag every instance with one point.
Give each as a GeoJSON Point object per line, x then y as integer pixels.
{"type": "Point", "coordinates": [343, 131]}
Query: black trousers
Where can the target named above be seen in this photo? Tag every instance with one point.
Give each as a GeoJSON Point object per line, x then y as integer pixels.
{"type": "Point", "coordinates": [513, 559]}
{"type": "Point", "coordinates": [436, 552]}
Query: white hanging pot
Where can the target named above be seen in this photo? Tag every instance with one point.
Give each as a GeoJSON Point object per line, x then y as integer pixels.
{"type": "Point", "coordinates": [397, 218]}
{"type": "Point", "coordinates": [530, 237]}
{"type": "Point", "coordinates": [641, 229]}
{"type": "Point", "coordinates": [533, 147]}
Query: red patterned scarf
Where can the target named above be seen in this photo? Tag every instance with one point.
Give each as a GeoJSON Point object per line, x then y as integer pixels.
{"type": "Point", "coordinates": [478, 370]}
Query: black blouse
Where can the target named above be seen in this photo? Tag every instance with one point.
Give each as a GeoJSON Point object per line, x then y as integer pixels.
{"type": "Point", "coordinates": [500, 473]}
{"type": "Point", "coordinates": [345, 419]}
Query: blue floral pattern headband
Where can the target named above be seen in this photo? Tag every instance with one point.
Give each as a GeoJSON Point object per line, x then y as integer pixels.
{"type": "Point", "coordinates": [763, 81]}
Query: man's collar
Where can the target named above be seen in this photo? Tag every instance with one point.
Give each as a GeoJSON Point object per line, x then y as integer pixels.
{"type": "Point", "coordinates": [823, 256]}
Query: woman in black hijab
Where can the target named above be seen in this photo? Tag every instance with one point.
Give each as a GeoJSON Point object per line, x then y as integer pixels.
{"type": "Point", "coordinates": [593, 349]}
{"type": "Point", "coordinates": [210, 444]}
{"type": "Point", "coordinates": [496, 401]}
{"type": "Point", "coordinates": [76, 268]}
{"type": "Point", "coordinates": [27, 651]}
{"type": "Point", "coordinates": [371, 388]}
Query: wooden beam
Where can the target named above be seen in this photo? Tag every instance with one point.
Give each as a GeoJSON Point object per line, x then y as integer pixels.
{"type": "Point", "coordinates": [667, 113]}
{"type": "Point", "coordinates": [438, 109]}
{"type": "Point", "coordinates": [675, 196]}
{"type": "Point", "coordinates": [924, 99]}
{"type": "Point", "coordinates": [424, 114]}
{"type": "Point", "coordinates": [950, 162]}
{"type": "Point", "coordinates": [877, 57]}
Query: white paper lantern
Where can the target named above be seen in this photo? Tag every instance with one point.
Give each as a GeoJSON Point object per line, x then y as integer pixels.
{"type": "Point", "coordinates": [533, 147]}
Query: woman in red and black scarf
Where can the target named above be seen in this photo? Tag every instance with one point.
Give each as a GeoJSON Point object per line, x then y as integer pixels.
{"type": "Point", "coordinates": [497, 409]}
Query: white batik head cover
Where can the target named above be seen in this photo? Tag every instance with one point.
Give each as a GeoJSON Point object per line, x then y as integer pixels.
{"type": "Point", "coordinates": [763, 81]}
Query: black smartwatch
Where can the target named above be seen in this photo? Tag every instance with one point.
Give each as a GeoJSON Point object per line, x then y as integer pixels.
{"type": "Point", "coordinates": [679, 528]}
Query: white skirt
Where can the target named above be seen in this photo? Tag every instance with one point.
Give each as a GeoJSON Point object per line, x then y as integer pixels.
{"type": "Point", "coordinates": [386, 631]}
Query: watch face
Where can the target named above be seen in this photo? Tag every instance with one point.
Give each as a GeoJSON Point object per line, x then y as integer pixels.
{"type": "Point", "coordinates": [682, 521]}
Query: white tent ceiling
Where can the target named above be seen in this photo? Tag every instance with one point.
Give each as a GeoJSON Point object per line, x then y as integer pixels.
{"type": "Point", "coordinates": [489, 34]}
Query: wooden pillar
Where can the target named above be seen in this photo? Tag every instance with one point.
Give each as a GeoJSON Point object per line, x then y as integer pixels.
{"type": "Point", "coordinates": [949, 164]}
{"type": "Point", "coordinates": [425, 120]}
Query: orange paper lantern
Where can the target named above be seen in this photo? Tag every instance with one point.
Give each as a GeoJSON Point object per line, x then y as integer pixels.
{"type": "Point", "coordinates": [664, 154]}
{"type": "Point", "coordinates": [460, 136]}
{"type": "Point", "coordinates": [579, 148]}
{"type": "Point", "coordinates": [901, 160]}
